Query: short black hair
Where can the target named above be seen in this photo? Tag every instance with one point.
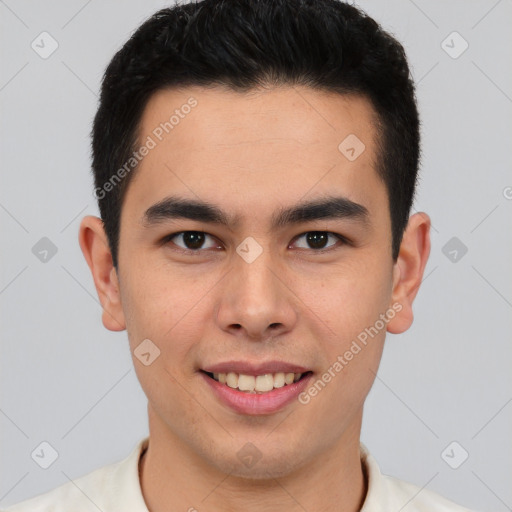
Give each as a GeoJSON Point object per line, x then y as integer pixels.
{"type": "Point", "coordinates": [326, 45]}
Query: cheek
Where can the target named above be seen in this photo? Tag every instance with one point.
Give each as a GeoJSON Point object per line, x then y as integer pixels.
{"type": "Point", "coordinates": [360, 312]}
{"type": "Point", "coordinates": [157, 311]}
{"type": "Point", "coordinates": [349, 304]}
{"type": "Point", "coordinates": [349, 299]}
{"type": "Point", "coordinates": [167, 309]}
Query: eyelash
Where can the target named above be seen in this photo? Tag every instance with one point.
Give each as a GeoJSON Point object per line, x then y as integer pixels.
{"type": "Point", "coordinates": [342, 239]}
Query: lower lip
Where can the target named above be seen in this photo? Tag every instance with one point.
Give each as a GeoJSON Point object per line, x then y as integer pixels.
{"type": "Point", "coordinates": [257, 403]}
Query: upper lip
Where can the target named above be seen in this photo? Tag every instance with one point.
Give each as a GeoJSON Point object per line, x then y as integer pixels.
{"type": "Point", "coordinates": [248, 368]}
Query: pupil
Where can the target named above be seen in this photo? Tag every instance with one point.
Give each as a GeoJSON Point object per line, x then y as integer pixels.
{"type": "Point", "coordinates": [317, 239]}
{"type": "Point", "coordinates": [193, 239]}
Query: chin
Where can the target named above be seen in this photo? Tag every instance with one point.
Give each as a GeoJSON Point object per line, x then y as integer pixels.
{"type": "Point", "coordinates": [268, 463]}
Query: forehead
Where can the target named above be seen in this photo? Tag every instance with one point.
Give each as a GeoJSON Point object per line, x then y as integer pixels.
{"type": "Point", "coordinates": [279, 144]}
{"type": "Point", "coordinates": [222, 117]}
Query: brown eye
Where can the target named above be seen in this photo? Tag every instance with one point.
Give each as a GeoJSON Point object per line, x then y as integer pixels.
{"type": "Point", "coordinates": [192, 240]}
{"type": "Point", "coordinates": [317, 240]}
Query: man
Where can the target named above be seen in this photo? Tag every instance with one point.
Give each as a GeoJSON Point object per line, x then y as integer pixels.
{"type": "Point", "coordinates": [255, 164]}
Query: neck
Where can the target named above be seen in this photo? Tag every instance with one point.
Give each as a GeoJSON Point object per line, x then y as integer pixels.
{"type": "Point", "coordinates": [174, 478]}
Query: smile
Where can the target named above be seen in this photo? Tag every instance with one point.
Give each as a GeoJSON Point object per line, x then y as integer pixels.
{"type": "Point", "coordinates": [256, 383]}
{"type": "Point", "coordinates": [260, 394]}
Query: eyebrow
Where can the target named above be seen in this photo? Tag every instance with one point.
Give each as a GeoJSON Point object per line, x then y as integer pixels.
{"type": "Point", "coordinates": [174, 207]}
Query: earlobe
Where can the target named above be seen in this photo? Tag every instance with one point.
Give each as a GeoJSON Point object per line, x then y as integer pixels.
{"type": "Point", "coordinates": [408, 270]}
{"type": "Point", "coordinates": [94, 244]}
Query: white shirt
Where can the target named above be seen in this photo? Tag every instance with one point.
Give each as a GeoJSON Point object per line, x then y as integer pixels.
{"type": "Point", "coordinates": [116, 488]}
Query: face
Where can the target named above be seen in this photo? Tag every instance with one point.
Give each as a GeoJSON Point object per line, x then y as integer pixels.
{"type": "Point", "coordinates": [252, 243]}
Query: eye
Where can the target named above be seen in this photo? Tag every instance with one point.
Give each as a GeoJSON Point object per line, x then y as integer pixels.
{"type": "Point", "coordinates": [191, 240]}
{"type": "Point", "coordinates": [317, 240]}
{"type": "Point", "coordinates": [194, 241]}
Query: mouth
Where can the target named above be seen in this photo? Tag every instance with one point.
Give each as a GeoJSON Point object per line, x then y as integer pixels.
{"type": "Point", "coordinates": [257, 384]}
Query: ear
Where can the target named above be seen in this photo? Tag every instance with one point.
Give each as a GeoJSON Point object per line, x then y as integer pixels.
{"type": "Point", "coordinates": [408, 270]}
{"type": "Point", "coordinates": [94, 244]}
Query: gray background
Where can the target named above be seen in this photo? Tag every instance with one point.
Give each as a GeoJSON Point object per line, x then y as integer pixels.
{"type": "Point", "coordinates": [68, 381]}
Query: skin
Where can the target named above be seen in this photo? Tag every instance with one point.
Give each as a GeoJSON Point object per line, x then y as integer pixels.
{"type": "Point", "coordinates": [251, 155]}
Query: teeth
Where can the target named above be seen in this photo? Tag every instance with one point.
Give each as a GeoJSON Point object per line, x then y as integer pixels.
{"type": "Point", "coordinates": [232, 380]}
{"type": "Point", "coordinates": [246, 382]}
{"type": "Point", "coordinates": [264, 382]}
{"type": "Point", "coordinates": [278, 380]}
{"type": "Point", "coordinates": [257, 384]}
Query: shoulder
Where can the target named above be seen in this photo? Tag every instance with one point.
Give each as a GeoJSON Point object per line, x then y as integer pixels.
{"type": "Point", "coordinates": [416, 499]}
{"type": "Point", "coordinates": [102, 489]}
{"type": "Point", "coordinates": [389, 493]}
{"type": "Point", "coordinates": [80, 493]}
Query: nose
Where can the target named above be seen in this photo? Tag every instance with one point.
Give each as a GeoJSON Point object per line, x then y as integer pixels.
{"type": "Point", "coordinates": [254, 301]}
